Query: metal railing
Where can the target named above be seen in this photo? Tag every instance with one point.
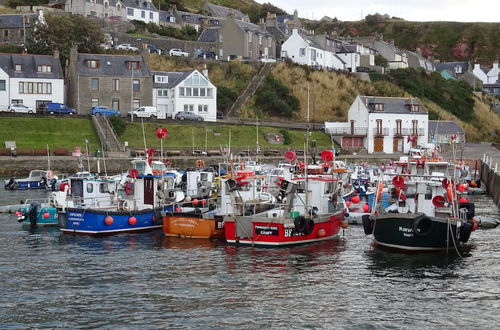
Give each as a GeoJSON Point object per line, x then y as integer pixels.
{"type": "Point", "coordinates": [408, 131]}
{"type": "Point", "coordinates": [381, 132]}
{"type": "Point", "coordinates": [356, 131]}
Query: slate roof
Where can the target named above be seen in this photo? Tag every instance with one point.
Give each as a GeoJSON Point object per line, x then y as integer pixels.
{"type": "Point", "coordinates": [220, 11]}
{"type": "Point", "coordinates": [165, 16]}
{"type": "Point", "coordinates": [174, 78]}
{"type": "Point", "coordinates": [396, 105]}
{"type": "Point", "coordinates": [139, 4]}
{"type": "Point", "coordinates": [310, 40]}
{"type": "Point", "coordinates": [29, 64]}
{"type": "Point", "coordinates": [112, 65]}
{"type": "Point", "coordinates": [15, 21]}
{"type": "Point", "coordinates": [450, 66]}
{"type": "Point", "coordinates": [195, 18]}
{"type": "Point", "coordinates": [280, 19]}
{"type": "Point", "coordinates": [209, 35]}
{"type": "Point", "coordinates": [444, 127]}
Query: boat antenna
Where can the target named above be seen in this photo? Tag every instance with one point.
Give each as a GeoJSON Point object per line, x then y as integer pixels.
{"type": "Point", "coordinates": [88, 156]}
{"type": "Point", "coordinates": [258, 148]}
{"type": "Point", "coordinates": [48, 158]}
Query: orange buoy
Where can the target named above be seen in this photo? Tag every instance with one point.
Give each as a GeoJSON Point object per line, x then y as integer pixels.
{"type": "Point", "coordinates": [109, 220]}
{"type": "Point", "coordinates": [344, 224]}
{"type": "Point", "coordinates": [195, 201]}
{"type": "Point", "coordinates": [132, 221]}
{"type": "Point", "coordinates": [348, 204]}
{"type": "Point", "coordinates": [366, 208]}
{"type": "Point", "coordinates": [321, 232]}
{"type": "Point", "coordinates": [46, 215]}
{"type": "Point", "coordinates": [355, 199]}
{"type": "Point", "coordinates": [463, 200]}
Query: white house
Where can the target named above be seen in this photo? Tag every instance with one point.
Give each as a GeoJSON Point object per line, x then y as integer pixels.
{"type": "Point", "coordinates": [493, 74]}
{"type": "Point", "coordinates": [185, 91]}
{"type": "Point", "coordinates": [141, 10]}
{"type": "Point", "coordinates": [480, 73]}
{"type": "Point", "coordinates": [382, 124]}
{"type": "Point", "coordinates": [396, 58]}
{"type": "Point", "coordinates": [32, 80]}
{"type": "Point", "coordinates": [351, 59]}
{"type": "Point", "coordinates": [302, 49]}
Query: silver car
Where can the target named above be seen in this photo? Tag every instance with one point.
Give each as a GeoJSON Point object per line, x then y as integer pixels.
{"type": "Point", "coordinates": [20, 108]}
{"type": "Point", "coordinates": [186, 115]}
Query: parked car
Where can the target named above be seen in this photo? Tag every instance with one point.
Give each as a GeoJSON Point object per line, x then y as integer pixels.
{"type": "Point", "coordinates": [104, 111]}
{"type": "Point", "coordinates": [144, 112]}
{"type": "Point", "coordinates": [207, 55]}
{"type": "Point", "coordinates": [153, 49]}
{"type": "Point", "coordinates": [127, 47]}
{"type": "Point", "coordinates": [17, 107]}
{"type": "Point", "coordinates": [178, 52]}
{"type": "Point", "coordinates": [59, 108]}
{"type": "Point", "coordinates": [186, 115]}
{"type": "Point", "coordinates": [362, 69]}
{"type": "Point", "coordinates": [267, 59]}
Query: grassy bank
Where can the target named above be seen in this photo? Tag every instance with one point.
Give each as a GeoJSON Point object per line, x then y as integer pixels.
{"type": "Point", "coordinates": [36, 133]}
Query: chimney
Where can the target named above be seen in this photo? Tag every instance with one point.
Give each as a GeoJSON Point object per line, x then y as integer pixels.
{"type": "Point", "coordinates": [477, 66]}
{"type": "Point", "coordinates": [205, 72]}
{"type": "Point", "coordinates": [56, 53]}
{"type": "Point", "coordinates": [495, 65]}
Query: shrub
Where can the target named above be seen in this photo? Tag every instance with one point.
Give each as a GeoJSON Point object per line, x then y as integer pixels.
{"type": "Point", "coordinates": [275, 98]}
{"type": "Point", "coordinates": [287, 139]}
{"type": "Point", "coordinates": [119, 125]}
{"type": "Point", "coordinates": [225, 98]}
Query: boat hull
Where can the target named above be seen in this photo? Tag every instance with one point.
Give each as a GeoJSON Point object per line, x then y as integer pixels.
{"type": "Point", "coordinates": [280, 233]}
{"type": "Point", "coordinates": [25, 185]}
{"type": "Point", "coordinates": [93, 221]}
{"type": "Point", "coordinates": [192, 226]}
{"type": "Point", "coordinates": [45, 216]}
{"type": "Point", "coordinates": [402, 232]}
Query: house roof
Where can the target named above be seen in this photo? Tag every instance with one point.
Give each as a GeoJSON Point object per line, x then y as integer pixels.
{"type": "Point", "coordinates": [397, 105]}
{"type": "Point", "coordinates": [174, 78]}
{"type": "Point", "coordinates": [16, 21]}
{"type": "Point", "coordinates": [139, 4]}
{"type": "Point", "coordinates": [444, 127]}
{"type": "Point", "coordinates": [194, 18]}
{"type": "Point", "coordinates": [221, 11]}
{"type": "Point", "coordinates": [251, 27]}
{"type": "Point", "coordinates": [450, 66]}
{"type": "Point", "coordinates": [309, 39]}
{"type": "Point", "coordinates": [165, 16]}
{"type": "Point", "coordinates": [112, 65]}
{"type": "Point", "coordinates": [209, 35]}
{"type": "Point", "coordinates": [29, 65]}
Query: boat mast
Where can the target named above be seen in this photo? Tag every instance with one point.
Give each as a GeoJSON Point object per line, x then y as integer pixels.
{"type": "Point", "coordinates": [48, 158]}
{"type": "Point", "coordinates": [257, 139]}
{"type": "Point", "coordinates": [305, 155]}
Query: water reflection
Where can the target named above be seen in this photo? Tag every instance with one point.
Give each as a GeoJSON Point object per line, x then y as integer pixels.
{"type": "Point", "coordinates": [172, 242]}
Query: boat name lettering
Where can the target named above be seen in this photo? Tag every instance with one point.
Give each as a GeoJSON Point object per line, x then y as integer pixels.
{"type": "Point", "coordinates": [219, 224]}
{"type": "Point", "coordinates": [266, 230]}
{"type": "Point", "coordinates": [75, 215]}
{"type": "Point", "coordinates": [407, 232]}
{"type": "Point", "coordinates": [289, 232]}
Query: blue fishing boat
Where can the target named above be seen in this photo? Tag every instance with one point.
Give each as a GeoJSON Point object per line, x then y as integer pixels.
{"type": "Point", "coordinates": [37, 179]}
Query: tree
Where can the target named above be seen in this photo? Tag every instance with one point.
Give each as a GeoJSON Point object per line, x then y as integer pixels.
{"type": "Point", "coordinates": [63, 32]}
{"type": "Point", "coordinates": [15, 3]}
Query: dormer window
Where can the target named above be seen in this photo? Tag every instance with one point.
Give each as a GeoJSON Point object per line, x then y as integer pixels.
{"type": "Point", "coordinates": [377, 106]}
{"type": "Point", "coordinates": [458, 69]}
{"type": "Point", "coordinates": [44, 68]}
{"type": "Point", "coordinates": [413, 107]}
{"type": "Point", "coordinates": [161, 79]}
{"type": "Point", "coordinates": [18, 67]}
{"type": "Point", "coordinates": [92, 64]}
{"type": "Point", "coordinates": [106, 4]}
{"type": "Point", "coordinates": [133, 65]}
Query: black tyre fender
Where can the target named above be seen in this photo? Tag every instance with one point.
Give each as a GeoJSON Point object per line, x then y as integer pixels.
{"type": "Point", "coordinates": [367, 224]}
{"type": "Point", "coordinates": [422, 226]}
{"type": "Point", "coordinates": [465, 231]}
{"type": "Point", "coordinates": [470, 207]}
{"type": "Point", "coordinates": [309, 226]}
{"type": "Point", "coordinates": [300, 224]}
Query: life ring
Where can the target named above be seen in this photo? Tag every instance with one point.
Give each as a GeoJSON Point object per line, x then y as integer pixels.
{"type": "Point", "coordinates": [129, 188]}
{"type": "Point", "coordinates": [277, 138]}
{"type": "Point", "coordinates": [367, 224]}
{"type": "Point", "coordinates": [300, 224]}
{"type": "Point", "coordinates": [168, 162]}
{"type": "Point", "coordinates": [157, 172]}
{"type": "Point", "coordinates": [309, 226]}
{"type": "Point", "coordinates": [422, 226]}
{"type": "Point", "coordinates": [200, 163]}
{"type": "Point", "coordinates": [449, 193]}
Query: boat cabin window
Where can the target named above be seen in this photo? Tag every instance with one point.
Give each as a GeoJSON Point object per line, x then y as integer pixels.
{"type": "Point", "coordinates": [139, 167]}
{"type": "Point", "coordinates": [203, 177]}
{"type": "Point", "coordinates": [428, 193]}
{"type": "Point", "coordinates": [103, 188]}
{"type": "Point", "coordinates": [90, 188]}
{"type": "Point", "coordinates": [301, 186]}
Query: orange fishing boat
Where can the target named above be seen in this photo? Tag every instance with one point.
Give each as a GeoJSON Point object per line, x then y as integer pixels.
{"type": "Point", "coordinates": [193, 222]}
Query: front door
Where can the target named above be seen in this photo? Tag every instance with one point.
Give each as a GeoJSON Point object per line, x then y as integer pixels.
{"type": "Point", "coordinates": [378, 144]}
{"type": "Point", "coordinates": [41, 105]}
{"type": "Point", "coordinates": [149, 191]}
{"type": "Point", "coordinates": [397, 145]}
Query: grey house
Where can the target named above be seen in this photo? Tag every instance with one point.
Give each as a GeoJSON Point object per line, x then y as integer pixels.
{"type": "Point", "coordinates": [112, 9]}
{"type": "Point", "coordinates": [442, 131]}
{"type": "Point", "coordinates": [121, 82]}
{"type": "Point", "coordinates": [240, 39]}
{"type": "Point", "coordinates": [281, 27]}
{"type": "Point", "coordinates": [13, 28]}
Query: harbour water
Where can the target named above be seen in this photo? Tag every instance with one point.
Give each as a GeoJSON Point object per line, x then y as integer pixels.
{"type": "Point", "coordinates": [150, 281]}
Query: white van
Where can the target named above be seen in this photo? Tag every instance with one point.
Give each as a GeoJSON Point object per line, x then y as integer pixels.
{"type": "Point", "coordinates": [144, 112]}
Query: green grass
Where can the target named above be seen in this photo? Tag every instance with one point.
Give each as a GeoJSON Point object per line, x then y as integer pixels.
{"type": "Point", "coordinates": [34, 133]}
{"type": "Point", "coordinates": [216, 136]}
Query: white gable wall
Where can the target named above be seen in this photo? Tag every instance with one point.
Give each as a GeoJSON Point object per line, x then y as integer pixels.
{"type": "Point", "coordinates": [480, 74]}
{"type": "Point", "coordinates": [137, 15]}
{"type": "Point", "coordinates": [4, 94]}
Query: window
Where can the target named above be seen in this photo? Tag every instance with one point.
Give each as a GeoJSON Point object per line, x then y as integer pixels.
{"type": "Point", "coordinates": [202, 108]}
{"type": "Point", "coordinates": [44, 68]}
{"type": "Point", "coordinates": [35, 88]}
{"type": "Point", "coordinates": [18, 67]}
{"type": "Point", "coordinates": [188, 107]}
{"type": "Point", "coordinates": [162, 93]}
{"type": "Point", "coordinates": [93, 13]}
{"type": "Point", "coordinates": [103, 188]}
{"type": "Point", "coordinates": [95, 84]}
{"type": "Point", "coordinates": [143, 14]}
{"type": "Point", "coordinates": [116, 85]}
{"type": "Point", "coordinates": [17, 101]}
{"type": "Point", "coordinates": [188, 91]}
{"type": "Point", "coordinates": [161, 79]}
{"type": "Point", "coordinates": [203, 92]}
{"type": "Point", "coordinates": [398, 126]}
{"type": "Point", "coordinates": [195, 91]}
{"type": "Point", "coordinates": [115, 103]}
{"type": "Point", "coordinates": [136, 104]}
{"type": "Point", "coordinates": [302, 52]}
{"type": "Point", "coordinates": [209, 92]}
{"type": "Point", "coordinates": [90, 187]}
{"type": "Point", "coordinates": [181, 91]}
{"type": "Point", "coordinates": [106, 4]}
{"type": "Point", "coordinates": [136, 85]}
{"type": "Point", "coordinates": [414, 125]}
{"type": "Point", "coordinates": [130, 12]}
{"type": "Point", "coordinates": [150, 15]}
{"type": "Point", "coordinates": [6, 33]}
{"type": "Point", "coordinates": [313, 55]}
{"type": "Point", "coordinates": [413, 107]}
{"type": "Point", "coordinates": [133, 65]}
{"type": "Point", "coordinates": [379, 126]}
{"type": "Point", "coordinates": [92, 64]}
{"type": "Point", "coordinates": [378, 106]}
{"type": "Point", "coordinates": [260, 39]}
{"type": "Point", "coordinates": [221, 38]}
{"type": "Point", "coordinates": [95, 102]}
{"type": "Point", "coordinates": [3, 87]}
